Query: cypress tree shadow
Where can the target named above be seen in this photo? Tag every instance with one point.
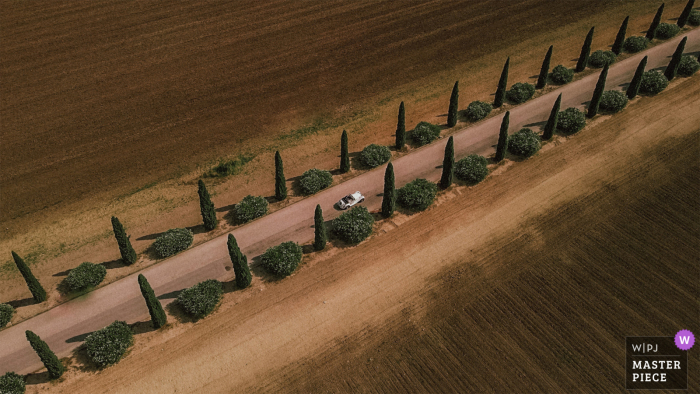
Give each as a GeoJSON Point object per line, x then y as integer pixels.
{"type": "Point", "coordinates": [23, 302]}
{"type": "Point", "coordinates": [170, 295]}
{"type": "Point", "coordinates": [79, 338]}
{"type": "Point", "coordinates": [536, 124]}
{"type": "Point", "coordinates": [111, 264]}
{"type": "Point", "coordinates": [37, 378]}
{"type": "Point", "coordinates": [62, 273]}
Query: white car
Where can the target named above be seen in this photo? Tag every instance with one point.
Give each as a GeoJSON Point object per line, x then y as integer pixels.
{"type": "Point", "coordinates": [350, 200]}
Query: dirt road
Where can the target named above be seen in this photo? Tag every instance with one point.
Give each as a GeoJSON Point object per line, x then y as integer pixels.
{"type": "Point", "coordinates": [64, 326]}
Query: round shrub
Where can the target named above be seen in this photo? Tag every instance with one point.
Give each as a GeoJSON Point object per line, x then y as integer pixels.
{"type": "Point", "coordinates": [520, 92]}
{"type": "Point", "coordinates": [571, 120]}
{"type": "Point", "coordinates": [314, 180]}
{"type": "Point", "coordinates": [653, 82]}
{"type": "Point", "coordinates": [12, 383]}
{"type": "Point", "coordinates": [353, 226]}
{"type": "Point", "coordinates": [282, 259]}
{"type": "Point", "coordinates": [601, 59]}
{"type": "Point", "coordinates": [666, 30]}
{"type": "Point", "coordinates": [524, 143]}
{"type": "Point", "coordinates": [417, 195]}
{"type": "Point", "coordinates": [688, 66]}
{"type": "Point", "coordinates": [375, 155]}
{"type": "Point", "coordinates": [478, 110]}
{"type": "Point", "coordinates": [85, 275]}
{"type": "Point", "coordinates": [173, 241]}
{"type": "Point", "coordinates": [694, 18]}
{"type": "Point", "coordinates": [250, 207]}
{"type": "Point", "coordinates": [635, 44]}
{"type": "Point", "coordinates": [425, 133]}
{"type": "Point", "coordinates": [108, 345]}
{"type": "Point", "coordinates": [201, 299]}
{"type": "Point", "coordinates": [6, 312]}
{"type": "Point", "coordinates": [561, 75]}
{"type": "Point", "coordinates": [613, 101]}
{"type": "Point", "coordinates": [472, 169]}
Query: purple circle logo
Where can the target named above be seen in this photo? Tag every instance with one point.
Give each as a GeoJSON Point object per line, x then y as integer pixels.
{"type": "Point", "coordinates": [684, 339]}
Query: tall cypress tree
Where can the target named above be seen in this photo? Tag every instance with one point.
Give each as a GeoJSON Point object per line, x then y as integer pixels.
{"type": "Point", "coordinates": [389, 198]}
{"type": "Point", "coordinates": [35, 287]}
{"type": "Point", "coordinates": [448, 163]}
{"type": "Point", "coordinates": [502, 86]}
{"type": "Point", "coordinates": [454, 105]}
{"type": "Point", "coordinates": [651, 33]}
{"type": "Point", "coordinates": [125, 249]}
{"type": "Point", "coordinates": [633, 89]}
{"type": "Point", "coordinates": [240, 263]}
{"type": "Point", "coordinates": [598, 92]}
{"type": "Point", "coordinates": [683, 19]}
{"type": "Point", "coordinates": [672, 67]}
{"type": "Point", "coordinates": [503, 138]}
{"type": "Point", "coordinates": [620, 39]}
{"type": "Point", "coordinates": [47, 356]}
{"type": "Point", "coordinates": [585, 51]}
{"type": "Point", "coordinates": [401, 128]}
{"type": "Point", "coordinates": [280, 182]}
{"type": "Point", "coordinates": [155, 309]}
{"type": "Point", "coordinates": [344, 155]}
{"type": "Point", "coordinates": [207, 207]}
{"type": "Point", "coordinates": [552, 121]}
{"type": "Point", "coordinates": [320, 235]}
{"type": "Point", "coordinates": [544, 70]}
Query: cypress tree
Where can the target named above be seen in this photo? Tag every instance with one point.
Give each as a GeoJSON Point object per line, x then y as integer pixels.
{"type": "Point", "coordinates": [240, 263]}
{"type": "Point", "coordinates": [585, 51]}
{"type": "Point", "coordinates": [320, 235]}
{"type": "Point", "coordinates": [672, 67]}
{"type": "Point", "coordinates": [598, 92]}
{"type": "Point", "coordinates": [389, 199]}
{"type": "Point", "coordinates": [454, 105]}
{"type": "Point", "coordinates": [683, 19]}
{"type": "Point", "coordinates": [47, 356]}
{"type": "Point", "coordinates": [401, 128]}
{"type": "Point", "coordinates": [127, 252]}
{"type": "Point", "coordinates": [620, 39]}
{"type": "Point", "coordinates": [155, 309]}
{"type": "Point", "coordinates": [633, 89]}
{"type": "Point", "coordinates": [502, 86]}
{"type": "Point", "coordinates": [280, 182]}
{"type": "Point", "coordinates": [544, 71]}
{"type": "Point", "coordinates": [503, 138]}
{"type": "Point", "coordinates": [552, 121]}
{"type": "Point", "coordinates": [655, 23]}
{"type": "Point", "coordinates": [344, 155]}
{"type": "Point", "coordinates": [207, 207]}
{"type": "Point", "coordinates": [448, 163]}
{"type": "Point", "coordinates": [35, 287]}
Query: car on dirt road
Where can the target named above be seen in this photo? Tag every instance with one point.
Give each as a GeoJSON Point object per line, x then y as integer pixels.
{"type": "Point", "coordinates": [350, 200]}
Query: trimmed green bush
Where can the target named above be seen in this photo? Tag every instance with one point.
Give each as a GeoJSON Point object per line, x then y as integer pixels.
{"type": "Point", "coordinates": [12, 383]}
{"type": "Point", "coordinates": [600, 59]}
{"type": "Point", "coordinates": [35, 287]}
{"type": "Point", "coordinates": [107, 346]}
{"type": "Point", "coordinates": [520, 92]}
{"type": "Point", "coordinates": [478, 110]}
{"type": "Point", "coordinates": [53, 365]}
{"type": "Point", "coordinates": [653, 82]}
{"type": "Point", "coordinates": [314, 180]}
{"type": "Point", "coordinates": [353, 226]}
{"type": "Point", "coordinates": [250, 207]}
{"type": "Point", "coordinates": [666, 30]}
{"type": "Point", "coordinates": [375, 155]}
{"type": "Point", "coordinates": [571, 120]}
{"type": "Point", "coordinates": [125, 249]}
{"type": "Point", "coordinates": [206, 207]}
{"type": "Point", "coordinates": [240, 263]}
{"type": "Point", "coordinates": [635, 44]}
{"type": "Point", "coordinates": [613, 101]}
{"type": "Point", "coordinates": [282, 259]}
{"type": "Point", "coordinates": [688, 66]}
{"type": "Point", "coordinates": [280, 181]}
{"type": "Point", "coordinates": [472, 169]}
{"type": "Point", "coordinates": [417, 195]}
{"type": "Point", "coordinates": [85, 275]}
{"type": "Point", "coordinates": [389, 197]}
{"type": "Point", "coordinates": [201, 299]}
{"type": "Point", "coordinates": [155, 309]}
{"type": "Point", "coordinates": [425, 133]}
{"type": "Point", "coordinates": [562, 75]}
{"type": "Point", "coordinates": [6, 313]}
{"type": "Point", "coordinates": [173, 241]}
{"type": "Point", "coordinates": [524, 143]}
{"type": "Point", "coordinates": [694, 18]}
